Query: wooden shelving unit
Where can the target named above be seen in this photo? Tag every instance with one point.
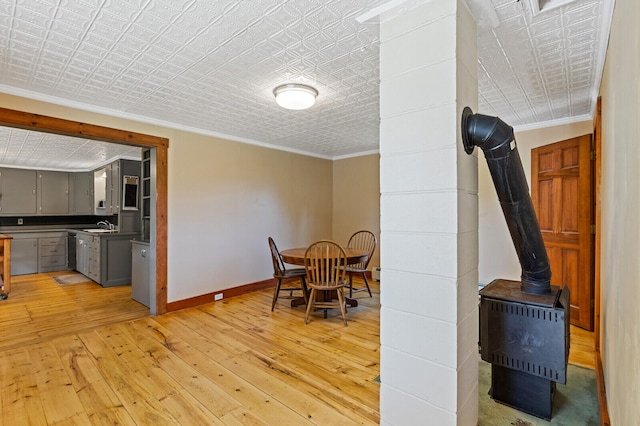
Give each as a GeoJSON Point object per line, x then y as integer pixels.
{"type": "Point", "coordinates": [146, 193]}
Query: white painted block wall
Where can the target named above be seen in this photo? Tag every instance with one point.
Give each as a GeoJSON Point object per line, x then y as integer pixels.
{"type": "Point", "coordinates": [429, 218]}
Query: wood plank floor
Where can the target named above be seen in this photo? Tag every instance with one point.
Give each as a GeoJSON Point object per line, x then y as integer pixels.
{"type": "Point", "coordinates": [582, 351]}
{"type": "Point", "coordinates": [232, 362]}
{"type": "Point", "coordinates": [39, 309]}
{"type": "Point", "coordinates": [93, 356]}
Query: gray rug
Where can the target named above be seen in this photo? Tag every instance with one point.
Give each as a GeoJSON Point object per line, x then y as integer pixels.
{"type": "Point", "coordinates": [575, 403]}
{"type": "Point", "coordinates": [71, 279]}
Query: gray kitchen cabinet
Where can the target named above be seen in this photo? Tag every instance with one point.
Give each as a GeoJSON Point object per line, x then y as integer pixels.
{"type": "Point", "coordinates": [88, 255]}
{"type": "Point", "coordinates": [140, 272]}
{"type": "Point", "coordinates": [18, 192]}
{"type": "Point", "coordinates": [52, 254]}
{"type": "Point", "coordinates": [53, 192]}
{"type": "Point", "coordinates": [113, 185]}
{"type": "Point", "coordinates": [105, 258]}
{"type": "Point", "coordinates": [29, 192]}
{"type": "Point", "coordinates": [81, 193]}
{"type": "Point", "coordinates": [115, 259]}
{"type": "Point", "coordinates": [38, 251]}
{"type": "Point", "coordinates": [24, 256]}
{"type": "Point", "coordinates": [93, 258]}
{"type": "Point", "coordinates": [82, 249]}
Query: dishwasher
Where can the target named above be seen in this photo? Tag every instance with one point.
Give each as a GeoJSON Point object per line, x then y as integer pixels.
{"type": "Point", "coordinates": [71, 250]}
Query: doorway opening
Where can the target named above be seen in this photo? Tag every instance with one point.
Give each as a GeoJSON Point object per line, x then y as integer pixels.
{"type": "Point", "coordinates": [35, 122]}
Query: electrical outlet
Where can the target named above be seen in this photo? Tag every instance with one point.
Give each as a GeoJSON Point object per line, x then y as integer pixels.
{"type": "Point", "coordinates": [217, 296]}
{"type": "Point", "coordinates": [20, 221]}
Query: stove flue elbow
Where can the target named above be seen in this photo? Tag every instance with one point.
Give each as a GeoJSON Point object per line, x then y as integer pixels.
{"type": "Point", "coordinates": [491, 134]}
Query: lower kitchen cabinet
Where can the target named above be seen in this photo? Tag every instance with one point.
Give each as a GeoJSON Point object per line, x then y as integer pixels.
{"type": "Point", "coordinates": [93, 258]}
{"type": "Point", "coordinates": [106, 258]}
{"type": "Point", "coordinates": [140, 272]}
{"type": "Point", "coordinates": [82, 264]}
{"type": "Point", "coordinates": [52, 254]}
{"type": "Point", "coordinates": [24, 256]}
{"type": "Point", "coordinates": [115, 260]}
{"type": "Point", "coordinates": [33, 252]}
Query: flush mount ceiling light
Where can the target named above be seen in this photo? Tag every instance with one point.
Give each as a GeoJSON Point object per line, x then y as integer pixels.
{"type": "Point", "coordinates": [295, 96]}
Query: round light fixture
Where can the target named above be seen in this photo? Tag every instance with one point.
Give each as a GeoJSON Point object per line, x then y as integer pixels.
{"type": "Point", "coordinates": [295, 96]}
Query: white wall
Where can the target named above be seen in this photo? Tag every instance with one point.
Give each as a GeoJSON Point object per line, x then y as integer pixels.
{"type": "Point", "coordinates": [620, 276]}
{"type": "Point", "coordinates": [498, 258]}
{"type": "Point", "coordinates": [226, 199]}
{"type": "Point", "coordinates": [356, 199]}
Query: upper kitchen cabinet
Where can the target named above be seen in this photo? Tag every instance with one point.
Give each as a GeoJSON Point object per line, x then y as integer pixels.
{"type": "Point", "coordinates": [53, 193]}
{"type": "Point", "coordinates": [18, 192]}
{"type": "Point", "coordinates": [30, 192]}
{"type": "Point", "coordinates": [81, 199]}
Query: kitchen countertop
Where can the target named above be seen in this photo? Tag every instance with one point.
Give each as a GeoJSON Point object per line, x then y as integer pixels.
{"type": "Point", "coordinates": [83, 229]}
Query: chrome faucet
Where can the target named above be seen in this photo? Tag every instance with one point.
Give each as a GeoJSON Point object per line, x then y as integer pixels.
{"type": "Point", "coordinates": [108, 225]}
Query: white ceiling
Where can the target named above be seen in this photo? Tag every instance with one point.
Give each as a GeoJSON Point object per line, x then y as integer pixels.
{"type": "Point", "coordinates": [211, 66]}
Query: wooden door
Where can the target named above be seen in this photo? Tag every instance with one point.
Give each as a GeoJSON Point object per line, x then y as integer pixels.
{"type": "Point", "coordinates": [562, 194]}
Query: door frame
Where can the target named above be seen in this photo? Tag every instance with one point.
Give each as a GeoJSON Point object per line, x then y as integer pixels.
{"type": "Point", "coordinates": [43, 123]}
{"type": "Point", "coordinates": [597, 197]}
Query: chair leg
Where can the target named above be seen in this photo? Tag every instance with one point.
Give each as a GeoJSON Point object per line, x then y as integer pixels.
{"type": "Point", "coordinates": [342, 305]}
{"type": "Point", "coordinates": [275, 294]}
{"type": "Point", "coordinates": [366, 282]}
{"type": "Point", "coordinates": [305, 291]}
{"type": "Point", "coordinates": [312, 299]}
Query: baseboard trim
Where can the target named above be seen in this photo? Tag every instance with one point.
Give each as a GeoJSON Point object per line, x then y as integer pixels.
{"type": "Point", "coordinates": [192, 302]}
{"type": "Point", "coordinates": [602, 392]}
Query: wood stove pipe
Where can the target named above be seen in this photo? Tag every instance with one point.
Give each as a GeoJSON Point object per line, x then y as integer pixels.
{"type": "Point", "coordinates": [498, 143]}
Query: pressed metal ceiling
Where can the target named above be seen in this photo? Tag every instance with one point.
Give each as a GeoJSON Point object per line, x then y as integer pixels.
{"type": "Point", "coordinates": [211, 66]}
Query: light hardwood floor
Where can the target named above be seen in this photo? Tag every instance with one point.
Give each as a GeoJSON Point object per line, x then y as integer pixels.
{"type": "Point", "coordinates": [93, 356]}
{"type": "Point", "coordinates": [231, 362]}
{"type": "Point", "coordinates": [582, 352]}
{"type": "Point", "coordinates": [38, 309]}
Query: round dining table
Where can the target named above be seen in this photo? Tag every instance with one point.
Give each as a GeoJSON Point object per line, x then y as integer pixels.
{"type": "Point", "coordinates": [295, 256]}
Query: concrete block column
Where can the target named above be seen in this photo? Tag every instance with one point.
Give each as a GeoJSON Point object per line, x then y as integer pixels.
{"type": "Point", "coordinates": [429, 217]}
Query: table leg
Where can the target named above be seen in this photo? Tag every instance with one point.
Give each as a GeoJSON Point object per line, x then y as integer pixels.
{"type": "Point", "coordinates": [298, 301]}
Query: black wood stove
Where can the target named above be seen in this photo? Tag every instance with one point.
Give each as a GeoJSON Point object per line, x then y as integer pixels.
{"type": "Point", "coordinates": [524, 325]}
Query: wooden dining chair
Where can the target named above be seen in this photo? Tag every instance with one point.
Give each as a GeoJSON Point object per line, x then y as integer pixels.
{"type": "Point", "coordinates": [280, 273]}
{"type": "Point", "coordinates": [367, 241]}
{"type": "Point", "coordinates": [325, 262]}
